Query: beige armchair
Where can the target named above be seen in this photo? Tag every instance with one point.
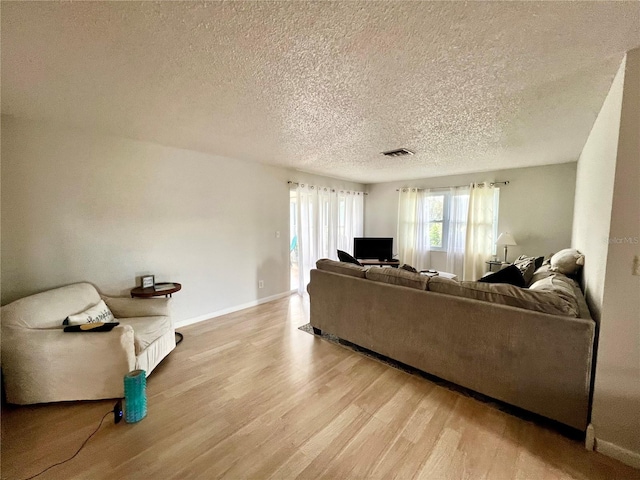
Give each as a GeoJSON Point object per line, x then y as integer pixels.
{"type": "Point", "coordinates": [41, 363]}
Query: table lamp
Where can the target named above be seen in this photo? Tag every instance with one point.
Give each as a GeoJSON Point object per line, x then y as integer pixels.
{"type": "Point", "coordinates": [505, 239]}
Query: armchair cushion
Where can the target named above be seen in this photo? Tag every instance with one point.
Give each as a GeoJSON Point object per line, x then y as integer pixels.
{"type": "Point", "coordinates": [147, 330]}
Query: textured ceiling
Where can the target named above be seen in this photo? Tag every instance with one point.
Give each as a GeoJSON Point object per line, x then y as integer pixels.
{"type": "Point", "coordinates": [325, 87]}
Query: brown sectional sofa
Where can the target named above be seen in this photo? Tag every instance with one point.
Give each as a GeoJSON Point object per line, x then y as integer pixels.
{"type": "Point", "coordinates": [468, 333]}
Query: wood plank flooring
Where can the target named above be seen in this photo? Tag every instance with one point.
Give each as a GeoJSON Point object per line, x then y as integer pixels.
{"type": "Point", "coordinates": [248, 395]}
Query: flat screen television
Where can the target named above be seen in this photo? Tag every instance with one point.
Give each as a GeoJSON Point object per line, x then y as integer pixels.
{"type": "Point", "coordinates": [378, 248]}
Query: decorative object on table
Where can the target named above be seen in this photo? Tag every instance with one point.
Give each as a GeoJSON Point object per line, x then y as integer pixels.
{"type": "Point", "coordinates": [148, 281]}
{"type": "Point", "coordinates": [408, 268]}
{"type": "Point", "coordinates": [430, 272]}
{"type": "Point", "coordinates": [506, 239]}
{"type": "Point", "coordinates": [135, 396]}
{"type": "Point", "coordinates": [161, 287]}
{"type": "Point", "coordinates": [567, 261]}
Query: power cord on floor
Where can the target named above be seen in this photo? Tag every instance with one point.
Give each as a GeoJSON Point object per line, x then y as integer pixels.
{"type": "Point", "coordinates": [77, 452]}
{"type": "Point", "coordinates": [179, 338]}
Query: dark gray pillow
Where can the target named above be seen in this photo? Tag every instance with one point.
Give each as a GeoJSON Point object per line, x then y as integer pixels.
{"type": "Point", "coordinates": [345, 257]}
{"type": "Point", "coordinates": [511, 275]}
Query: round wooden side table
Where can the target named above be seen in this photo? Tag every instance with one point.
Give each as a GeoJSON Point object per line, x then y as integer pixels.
{"type": "Point", "coordinates": [150, 292]}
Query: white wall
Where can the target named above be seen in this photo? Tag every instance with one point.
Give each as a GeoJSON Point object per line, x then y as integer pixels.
{"type": "Point", "coordinates": [594, 194]}
{"type": "Point", "coordinates": [609, 176]}
{"type": "Point", "coordinates": [85, 207]}
{"type": "Point", "coordinates": [536, 207]}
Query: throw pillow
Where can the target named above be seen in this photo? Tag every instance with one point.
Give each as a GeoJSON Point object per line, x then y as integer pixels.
{"type": "Point", "coordinates": [538, 262]}
{"type": "Point", "coordinates": [527, 266]}
{"type": "Point", "coordinates": [99, 313]}
{"type": "Point", "coordinates": [408, 268]}
{"type": "Point", "coordinates": [567, 261]}
{"type": "Point", "coordinates": [511, 275]}
{"type": "Point", "coordinates": [345, 257]}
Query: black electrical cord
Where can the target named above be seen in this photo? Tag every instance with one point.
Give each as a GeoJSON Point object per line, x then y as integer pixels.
{"type": "Point", "coordinates": [180, 338]}
{"type": "Point", "coordinates": [77, 452]}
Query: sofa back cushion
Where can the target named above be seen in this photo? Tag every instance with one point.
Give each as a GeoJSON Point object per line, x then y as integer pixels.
{"type": "Point", "coordinates": [560, 285]}
{"type": "Point", "coordinates": [398, 276]}
{"type": "Point", "coordinates": [341, 267]}
{"type": "Point", "coordinates": [539, 301]}
{"type": "Point", "coordinates": [49, 309]}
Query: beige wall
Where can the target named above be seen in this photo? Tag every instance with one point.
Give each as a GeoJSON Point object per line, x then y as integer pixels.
{"type": "Point", "coordinates": [84, 207]}
{"type": "Point", "coordinates": [536, 207]}
{"type": "Point", "coordinates": [616, 403]}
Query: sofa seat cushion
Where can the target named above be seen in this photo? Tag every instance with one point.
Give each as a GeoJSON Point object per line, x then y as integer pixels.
{"type": "Point", "coordinates": [398, 276]}
{"type": "Point", "coordinates": [342, 268]}
{"type": "Point", "coordinates": [539, 301]}
{"type": "Point", "coordinates": [147, 330]}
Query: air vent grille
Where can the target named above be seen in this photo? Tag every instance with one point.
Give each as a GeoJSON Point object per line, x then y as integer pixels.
{"type": "Point", "coordinates": [399, 152]}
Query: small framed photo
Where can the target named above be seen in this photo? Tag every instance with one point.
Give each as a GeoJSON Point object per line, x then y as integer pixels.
{"type": "Point", "coordinates": [148, 281]}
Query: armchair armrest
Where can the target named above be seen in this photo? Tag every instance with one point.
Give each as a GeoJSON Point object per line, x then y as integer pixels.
{"type": "Point", "coordinates": [123, 307]}
{"type": "Point", "coordinates": [49, 365]}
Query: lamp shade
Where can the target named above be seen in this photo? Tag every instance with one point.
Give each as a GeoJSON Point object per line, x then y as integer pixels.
{"type": "Point", "coordinates": [506, 238]}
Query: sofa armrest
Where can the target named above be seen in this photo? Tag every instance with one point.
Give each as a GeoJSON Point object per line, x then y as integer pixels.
{"type": "Point", "coordinates": [123, 307]}
{"type": "Point", "coordinates": [42, 365]}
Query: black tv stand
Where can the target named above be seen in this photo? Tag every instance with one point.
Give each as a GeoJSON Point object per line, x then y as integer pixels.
{"type": "Point", "coordinates": [379, 263]}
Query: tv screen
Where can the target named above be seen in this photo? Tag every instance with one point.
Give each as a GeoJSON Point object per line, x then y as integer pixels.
{"type": "Point", "coordinates": [377, 248]}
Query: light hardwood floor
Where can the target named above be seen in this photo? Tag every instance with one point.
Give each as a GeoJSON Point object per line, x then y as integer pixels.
{"type": "Point", "coordinates": [248, 395]}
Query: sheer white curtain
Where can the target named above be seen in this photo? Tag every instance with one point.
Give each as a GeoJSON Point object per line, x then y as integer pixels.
{"type": "Point", "coordinates": [480, 231]}
{"type": "Point", "coordinates": [413, 228]}
{"type": "Point", "coordinates": [327, 221]}
{"type": "Point", "coordinates": [457, 229]}
{"type": "Point", "coordinates": [349, 218]}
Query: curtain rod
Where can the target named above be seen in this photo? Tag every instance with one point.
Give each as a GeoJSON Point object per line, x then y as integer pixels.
{"type": "Point", "coordinates": [332, 189]}
{"type": "Point", "coordinates": [492, 184]}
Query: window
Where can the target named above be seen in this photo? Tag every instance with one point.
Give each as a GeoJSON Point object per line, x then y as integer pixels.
{"type": "Point", "coordinates": [436, 213]}
{"type": "Point", "coordinates": [436, 220]}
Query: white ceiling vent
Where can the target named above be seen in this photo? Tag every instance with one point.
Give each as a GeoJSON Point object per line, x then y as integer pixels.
{"type": "Point", "coordinates": [398, 152]}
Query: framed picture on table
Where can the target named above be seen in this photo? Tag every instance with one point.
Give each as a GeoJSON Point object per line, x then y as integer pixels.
{"type": "Point", "coordinates": [148, 281]}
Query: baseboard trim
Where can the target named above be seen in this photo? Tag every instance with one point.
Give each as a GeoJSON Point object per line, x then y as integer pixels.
{"type": "Point", "coordinates": [590, 438]}
{"type": "Point", "coordinates": [219, 313]}
{"type": "Point", "coordinates": [622, 454]}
